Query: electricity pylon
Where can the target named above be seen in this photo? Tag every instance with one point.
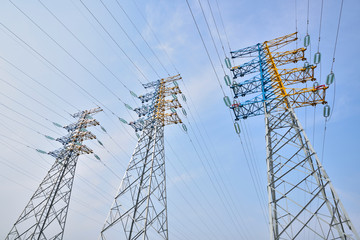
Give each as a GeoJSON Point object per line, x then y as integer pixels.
{"type": "Point", "coordinates": [302, 200]}
{"type": "Point", "coordinates": [139, 210]}
{"type": "Point", "coordinates": [44, 216]}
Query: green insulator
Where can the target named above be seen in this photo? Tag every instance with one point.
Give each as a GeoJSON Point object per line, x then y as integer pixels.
{"type": "Point", "coordinates": [228, 63]}
{"type": "Point", "coordinates": [100, 143]}
{"type": "Point", "coordinates": [307, 40]}
{"type": "Point", "coordinates": [83, 130]}
{"type": "Point", "coordinates": [330, 78]}
{"type": "Point", "coordinates": [48, 137]}
{"type": "Point", "coordinates": [97, 157]}
{"type": "Point", "coordinates": [102, 128]}
{"type": "Point", "coordinates": [173, 110]}
{"type": "Point", "coordinates": [41, 151]}
{"type": "Point", "coordinates": [306, 64]}
{"type": "Point", "coordinates": [317, 58]}
{"type": "Point", "coordinates": [88, 117]}
{"type": "Point", "coordinates": [227, 80]}
{"type": "Point", "coordinates": [134, 94]}
{"type": "Point", "coordinates": [128, 106]}
{"type": "Point", "coordinates": [315, 85]}
{"type": "Point", "coordinates": [77, 143]}
{"type": "Point", "coordinates": [57, 125]}
{"type": "Point", "coordinates": [184, 112]}
{"type": "Point", "coordinates": [123, 120]}
{"type": "Point", "coordinates": [227, 101]}
{"type": "Point", "coordinates": [175, 83]}
{"type": "Point", "coordinates": [174, 96]}
{"type": "Point", "coordinates": [326, 110]}
{"type": "Point", "coordinates": [237, 127]}
{"type": "Point", "coordinates": [235, 102]}
{"type": "Point", "coordinates": [183, 97]}
{"type": "Point", "coordinates": [137, 135]}
{"type": "Point", "coordinates": [184, 127]}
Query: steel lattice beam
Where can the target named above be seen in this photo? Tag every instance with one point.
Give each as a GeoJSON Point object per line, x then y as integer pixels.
{"type": "Point", "coordinates": [45, 215]}
{"type": "Point", "coordinates": [139, 210]}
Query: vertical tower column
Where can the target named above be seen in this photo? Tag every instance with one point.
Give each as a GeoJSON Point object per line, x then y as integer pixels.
{"type": "Point", "coordinates": [139, 210]}
{"type": "Point", "coordinates": [44, 216]}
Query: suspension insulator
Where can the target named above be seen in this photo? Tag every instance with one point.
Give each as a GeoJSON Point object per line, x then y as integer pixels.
{"type": "Point", "coordinates": [97, 157]}
{"type": "Point", "coordinates": [307, 40]}
{"type": "Point", "coordinates": [326, 110]}
{"type": "Point", "coordinates": [330, 78]}
{"type": "Point", "coordinates": [184, 127]}
{"type": "Point", "coordinates": [228, 63]}
{"type": "Point", "coordinates": [184, 112]}
{"type": "Point", "coordinates": [173, 110]}
{"type": "Point", "coordinates": [316, 85]}
{"type": "Point", "coordinates": [123, 120]}
{"type": "Point", "coordinates": [100, 143]}
{"type": "Point", "coordinates": [183, 97]}
{"type": "Point", "coordinates": [227, 101]}
{"type": "Point", "coordinates": [235, 102]}
{"type": "Point", "coordinates": [174, 96]}
{"type": "Point", "coordinates": [237, 127]}
{"type": "Point", "coordinates": [227, 80]}
{"type": "Point", "coordinates": [137, 135]}
{"type": "Point", "coordinates": [102, 128]}
{"type": "Point", "coordinates": [306, 64]}
{"type": "Point", "coordinates": [175, 83]}
{"type": "Point", "coordinates": [317, 58]}
{"type": "Point", "coordinates": [48, 137]}
{"type": "Point", "coordinates": [134, 94]}
{"type": "Point", "coordinates": [128, 106]}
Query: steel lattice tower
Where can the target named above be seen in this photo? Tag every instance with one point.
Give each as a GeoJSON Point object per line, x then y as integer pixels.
{"type": "Point", "coordinates": [139, 210]}
{"type": "Point", "coordinates": [302, 200]}
{"type": "Point", "coordinates": [44, 216]}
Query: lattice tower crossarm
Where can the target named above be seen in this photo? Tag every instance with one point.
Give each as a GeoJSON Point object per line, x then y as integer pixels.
{"type": "Point", "coordinates": [302, 200]}
{"type": "Point", "coordinates": [44, 217]}
{"type": "Point", "coordinates": [139, 210]}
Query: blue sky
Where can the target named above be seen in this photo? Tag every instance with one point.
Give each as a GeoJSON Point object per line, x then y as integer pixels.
{"type": "Point", "coordinates": [196, 211]}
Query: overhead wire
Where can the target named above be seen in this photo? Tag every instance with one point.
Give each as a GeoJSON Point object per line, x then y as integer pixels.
{"type": "Point", "coordinates": [113, 39]}
{"type": "Point", "coordinates": [264, 212]}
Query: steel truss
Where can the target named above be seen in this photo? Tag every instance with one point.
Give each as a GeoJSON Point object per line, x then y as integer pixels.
{"type": "Point", "coordinates": [303, 203]}
{"type": "Point", "coordinates": [44, 216]}
{"type": "Point", "coordinates": [139, 210]}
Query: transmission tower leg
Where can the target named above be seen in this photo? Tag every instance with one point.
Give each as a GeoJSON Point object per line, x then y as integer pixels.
{"type": "Point", "coordinates": [140, 204]}
{"type": "Point", "coordinates": [302, 200]}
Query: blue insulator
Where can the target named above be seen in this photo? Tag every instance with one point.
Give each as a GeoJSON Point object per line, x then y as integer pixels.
{"type": "Point", "coordinates": [326, 110]}
{"type": "Point", "coordinates": [183, 97]}
{"type": "Point", "coordinates": [227, 101]}
{"type": "Point", "coordinates": [174, 96]}
{"type": "Point", "coordinates": [307, 40]}
{"type": "Point", "coordinates": [306, 64]}
{"type": "Point", "coordinates": [227, 80]}
{"type": "Point", "coordinates": [97, 157]}
{"type": "Point", "coordinates": [330, 78]}
{"type": "Point", "coordinates": [317, 58]}
{"type": "Point", "coordinates": [237, 127]}
{"type": "Point", "coordinates": [228, 63]}
{"type": "Point", "coordinates": [173, 110]}
{"type": "Point", "coordinates": [175, 83]}
{"type": "Point", "coordinates": [184, 112]}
